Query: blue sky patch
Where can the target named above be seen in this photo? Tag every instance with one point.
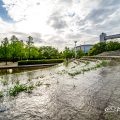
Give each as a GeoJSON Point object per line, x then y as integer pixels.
{"type": "Point", "coordinates": [4, 14]}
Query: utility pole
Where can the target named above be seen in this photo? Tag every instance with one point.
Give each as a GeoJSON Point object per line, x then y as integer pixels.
{"type": "Point", "coordinates": [75, 49]}
{"type": "Point", "coordinates": [84, 46]}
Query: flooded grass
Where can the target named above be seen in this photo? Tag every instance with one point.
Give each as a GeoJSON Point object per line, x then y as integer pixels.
{"type": "Point", "coordinates": [42, 76]}
{"type": "Point", "coordinates": [20, 88]}
{"type": "Point", "coordinates": [4, 82]}
{"type": "Point", "coordinates": [1, 94]}
{"type": "Point", "coordinates": [101, 64]}
{"type": "Point", "coordinates": [47, 85]}
{"type": "Point", "coordinates": [39, 83]}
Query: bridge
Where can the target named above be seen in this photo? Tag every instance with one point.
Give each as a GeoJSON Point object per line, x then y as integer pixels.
{"type": "Point", "coordinates": [104, 37]}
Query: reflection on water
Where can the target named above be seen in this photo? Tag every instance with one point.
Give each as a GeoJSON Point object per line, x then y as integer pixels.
{"type": "Point", "coordinates": [59, 96]}
{"type": "Point", "coordinates": [19, 70]}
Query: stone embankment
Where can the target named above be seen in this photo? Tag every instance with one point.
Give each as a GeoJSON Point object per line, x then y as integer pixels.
{"type": "Point", "coordinates": [101, 57]}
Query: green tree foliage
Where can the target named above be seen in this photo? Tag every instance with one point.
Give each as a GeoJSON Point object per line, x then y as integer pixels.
{"type": "Point", "coordinates": [15, 50]}
{"type": "Point", "coordinates": [111, 46]}
{"type": "Point", "coordinates": [34, 53]}
{"type": "Point", "coordinates": [48, 52]}
{"type": "Point", "coordinates": [29, 43]}
{"type": "Point", "coordinates": [5, 49]}
{"type": "Point", "coordinates": [103, 47]}
{"type": "Point", "coordinates": [80, 53]}
{"type": "Point", "coordinates": [67, 53]}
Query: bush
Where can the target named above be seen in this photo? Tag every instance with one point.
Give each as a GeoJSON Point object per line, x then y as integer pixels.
{"type": "Point", "coordinates": [97, 48]}
{"type": "Point", "coordinates": [103, 47]}
{"type": "Point", "coordinates": [32, 62]}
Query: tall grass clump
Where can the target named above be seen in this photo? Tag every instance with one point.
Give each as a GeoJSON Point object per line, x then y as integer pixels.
{"type": "Point", "coordinates": [66, 63]}
{"type": "Point", "coordinates": [1, 94]}
{"type": "Point", "coordinates": [19, 88]}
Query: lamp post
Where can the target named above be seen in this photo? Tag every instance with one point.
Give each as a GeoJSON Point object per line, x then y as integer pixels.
{"type": "Point", "coordinates": [75, 49]}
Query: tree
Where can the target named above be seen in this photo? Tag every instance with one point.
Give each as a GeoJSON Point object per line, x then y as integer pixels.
{"type": "Point", "coordinates": [16, 47]}
{"type": "Point", "coordinates": [67, 53]}
{"type": "Point", "coordinates": [103, 47]}
{"type": "Point", "coordinates": [4, 48]}
{"type": "Point", "coordinates": [48, 52]}
{"type": "Point", "coordinates": [29, 43]}
{"type": "Point", "coordinates": [80, 53]}
{"type": "Point", "coordinates": [111, 46]}
{"type": "Point", "coordinates": [97, 48]}
{"type": "Point", "coordinates": [34, 53]}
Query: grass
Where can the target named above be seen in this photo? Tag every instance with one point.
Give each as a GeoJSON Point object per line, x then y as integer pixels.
{"type": "Point", "coordinates": [102, 64]}
{"type": "Point", "coordinates": [47, 85]}
{"type": "Point", "coordinates": [1, 94]}
{"type": "Point", "coordinates": [42, 76]}
{"type": "Point", "coordinates": [20, 88]}
{"type": "Point", "coordinates": [87, 63]}
{"type": "Point", "coordinates": [4, 82]}
{"type": "Point", "coordinates": [39, 83]}
{"type": "Point", "coordinates": [66, 63]}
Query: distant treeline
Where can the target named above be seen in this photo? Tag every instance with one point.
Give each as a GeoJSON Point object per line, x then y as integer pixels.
{"type": "Point", "coordinates": [14, 49]}
{"type": "Point", "coordinates": [104, 47]}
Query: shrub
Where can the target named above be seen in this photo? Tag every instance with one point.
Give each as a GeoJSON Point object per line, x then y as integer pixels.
{"type": "Point", "coordinates": [97, 48]}
{"type": "Point", "coordinates": [47, 61]}
{"type": "Point", "coordinates": [103, 47]}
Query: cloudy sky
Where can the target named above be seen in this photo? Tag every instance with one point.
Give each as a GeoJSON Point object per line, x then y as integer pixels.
{"type": "Point", "coordinates": [59, 22]}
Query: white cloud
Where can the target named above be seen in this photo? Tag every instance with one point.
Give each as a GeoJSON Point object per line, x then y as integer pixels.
{"type": "Point", "coordinates": [60, 22]}
{"type": "Point", "coordinates": [5, 27]}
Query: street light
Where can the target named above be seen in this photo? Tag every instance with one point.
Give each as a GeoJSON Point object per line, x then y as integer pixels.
{"type": "Point", "coordinates": [75, 49]}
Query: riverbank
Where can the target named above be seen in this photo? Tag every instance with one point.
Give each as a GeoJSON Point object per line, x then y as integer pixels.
{"type": "Point", "coordinates": [11, 65]}
{"type": "Point", "coordinates": [3, 64]}
{"type": "Point", "coordinates": [102, 57]}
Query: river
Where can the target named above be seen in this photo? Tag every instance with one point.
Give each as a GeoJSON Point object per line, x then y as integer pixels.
{"type": "Point", "coordinates": [93, 95]}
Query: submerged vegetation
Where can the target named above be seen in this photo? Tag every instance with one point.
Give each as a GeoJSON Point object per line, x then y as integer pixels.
{"type": "Point", "coordinates": [4, 82]}
{"type": "Point", "coordinates": [1, 94]}
{"type": "Point", "coordinates": [20, 88]}
{"type": "Point", "coordinates": [101, 64]}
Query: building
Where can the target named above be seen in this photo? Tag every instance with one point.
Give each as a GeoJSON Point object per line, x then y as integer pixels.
{"type": "Point", "coordinates": [104, 37]}
{"type": "Point", "coordinates": [85, 48]}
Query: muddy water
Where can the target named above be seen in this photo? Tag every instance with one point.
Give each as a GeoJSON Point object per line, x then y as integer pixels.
{"type": "Point", "coordinates": [62, 97]}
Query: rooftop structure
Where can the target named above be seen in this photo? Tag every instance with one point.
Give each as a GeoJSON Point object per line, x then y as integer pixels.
{"type": "Point", "coordinates": [104, 37]}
